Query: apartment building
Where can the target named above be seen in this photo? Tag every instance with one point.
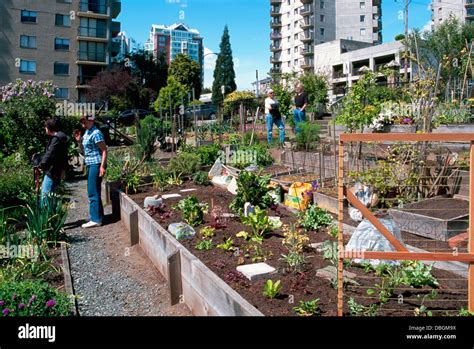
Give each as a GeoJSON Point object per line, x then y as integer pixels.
{"type": "Point", "coordinates": [299, 26]}
{"type": "Point", "coordinates": [66, 41]}
{"type": "Point", "coordinates": [463, 10]}
{"type": "Point", "coordinates": [176, 39]}
{"type": "Point", "coordinates": [124, 46]}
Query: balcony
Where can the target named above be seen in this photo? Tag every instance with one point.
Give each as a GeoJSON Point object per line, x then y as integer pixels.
{"type": "Point", "coordinates": [338, 74]}
{"type": "Point", "coordinates": [115, 48]}
{"type": "Point", "coordinates": [275, 23]}
{"type": "Point", "coordinates": [96, 9]}
{"type": "Point", "coordinates": [90, 32]}
{"type": "Point", "coordinates": [306, 10]}
{"type": "Point", "coordinates": [307, 64]}
{"type": "Point", "coordinates": [83, 81]}
{"type": "Point", "coordinates": [275, 71]}
{"type": "Point", "coordinates": [275, 2]}
{"type": "Point", "coordinates": [115, 28]}
{"type": "Point", "coordinates": [469, 3]}
{"type": "Point", "coordinates": [306, 51]}
{"type": "Point", "coordinates": [116, 8]}
{"type": "Point", "coordinates": [307, 23]}
{"type": "Point", "coordinates": [375, 10]}
{"type": "Point", "coordinates": [469, 11]}
{"type": "Point", "coordinates": [275, 59]}
{"type": "Point", "coordinates": [275, 48]}
{"type": "Point", "coordinates": [306, 37]}
{"type": "Point", "coordinates": [92, 57]}
{"type": "Point", "coordinates": [275, 35]}
{"type": "Point", "coordinates": [275, 11]}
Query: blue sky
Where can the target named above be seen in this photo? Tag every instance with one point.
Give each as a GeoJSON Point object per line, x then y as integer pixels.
{"type": "Point", "coordinates": [249, 28]}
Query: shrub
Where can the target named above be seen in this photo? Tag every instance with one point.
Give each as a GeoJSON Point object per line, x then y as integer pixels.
{"type": "Point", "coordinates": [32, 298]}
{"type": "Point", "coordinates": [251, 188]}
{"type": "Point", "coordinates": [251, 155]}
{"type": "Point", "coordinates": [147, 135]}
{"type": "Point", "coordinates": [314, 218]}
{"type": "Point", "coordinates": [308, 136]}
{"type": "Point", "coordinates": [185, 164]}
{"type": "Point", "coordinates": [209, 154]}
{"type": "Point", "coordinates": [16, 181]}
{"type": "Point", "coordinates": [201, 178]}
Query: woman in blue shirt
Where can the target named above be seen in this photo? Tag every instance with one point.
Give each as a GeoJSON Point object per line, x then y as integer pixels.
{"type": "Point", "coordinates": [95, 159]}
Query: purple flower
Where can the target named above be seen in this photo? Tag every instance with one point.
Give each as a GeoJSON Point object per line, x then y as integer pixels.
{"type": "Point", "coordinates": [6, 311]}
{"type": "Point", "coordinates": [22, 306]}
{"type": "Point", "coordinates": [51, 303]}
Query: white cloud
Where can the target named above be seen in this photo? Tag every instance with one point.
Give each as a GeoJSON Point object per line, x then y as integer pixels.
{"type": "Point", "coordinates": [427, 26]}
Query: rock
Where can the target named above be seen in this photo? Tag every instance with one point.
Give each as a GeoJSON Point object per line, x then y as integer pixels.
{"type": "Point", "coordinates": [317, 246]}
{"type": "Point", "coordinates": [170, 196]}
{"type": "Point", "coordinates": [256, 271]}
{"type": "Point", "coordinates": [181, 231]}
{"type": "Point", "coordinates": [330, 273]}
{"type": "Point", "coordinates": [153, 202]}
{"type": "Point", "coordinates": [248, 208]}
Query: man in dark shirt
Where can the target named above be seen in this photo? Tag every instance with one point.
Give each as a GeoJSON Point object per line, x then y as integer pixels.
{"type": "Point", "coordinates": [55, 160]}
{"type": "Point", "coordinates": [301, 102]}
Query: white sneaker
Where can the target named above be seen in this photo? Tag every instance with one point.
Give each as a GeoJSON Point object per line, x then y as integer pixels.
{"type": "Point", "coordinates": [91, 225]}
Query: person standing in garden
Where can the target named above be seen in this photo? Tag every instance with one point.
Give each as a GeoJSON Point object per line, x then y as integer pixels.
{"type": "Point", "coordinates": [301, 102]}
{"type": "Point", "coordinates": [54, 162]}
{"type": "Point", "coordinates": [95, 159]}
{"type": "Point", "coordinates": [273, 116]}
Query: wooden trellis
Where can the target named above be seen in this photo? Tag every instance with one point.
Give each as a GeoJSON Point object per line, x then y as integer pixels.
{"type": "Point", "coordinates": [401, 251]}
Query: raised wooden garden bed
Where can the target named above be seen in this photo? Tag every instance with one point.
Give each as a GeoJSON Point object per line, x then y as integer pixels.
{"type": "Point", "coordinates": [210, 284]}
{"type": "Point", "coordinates": [328, 200]}
{"type": "Point", "coordinates": [436, 218]}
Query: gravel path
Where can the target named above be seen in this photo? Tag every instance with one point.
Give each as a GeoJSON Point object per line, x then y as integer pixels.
{"type": "Point", "coordinates": [109, 278]}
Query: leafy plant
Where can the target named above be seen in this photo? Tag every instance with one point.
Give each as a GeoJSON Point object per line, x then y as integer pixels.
{"type": "Point", "coordinates": [251, 188]}
{"type": "Point", "coordinates": [208, 154]}
{"type": "Point", "coordinates": [422, 310]}
{"type": "Point", "coordinates": [308, 135]}
{"type": "Point", "coordinates": [330, 251]}
{"type": "Point", "coordinates": [204, 245]}
{"type": "Point", "coordinates": [208, 232]}
{"type": "Point", "coordinates": [160, 179]}
{"type": "Point", "coordinates": [259, 222]}
{"type": "Point", "coordinates": [193, 211]}
{"type": "Point", "coordinates": [417, 274]}
{"type": "Point", "coordinates": [228, 245]}
{"type": "Point", "coordinates": [390, 278]}
{"type": "Point", "coordinates": [271, 289]}
{"type": "Point", "coordinates": [465, 312]}
{"type": "Point", "coordinates": [174, 179]}
{"type": "Point", "coordinates": [357, 309]}
{"type": "Point", "coordinates": [201, 178]}
{"type": "Point", "coordinates": [308, 308]}
{"type": "Point", "coordinates": [32, 298]}
{"type": "Point", "coordinates": [314, 218]}
{"type": "Point", "coordinates": [147, 135]}
{"type": "Point", "coordinates": [294, 242]}
{"type": "Point", "coordinates": [185, 163]}
{"type": "Point", "coordinates": [251, 155]}
{"type": "Point", "coordinates": [333, 230]}
{"type": "Point", "coordinates": [131, 182]}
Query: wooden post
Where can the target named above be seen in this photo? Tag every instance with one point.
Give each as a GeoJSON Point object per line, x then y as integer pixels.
{"type": "Point", "coordinates": [174, 277]}
{"type": "Point", "coordinates": [134, 235]}
{"type": "Point", "coordinates": [340, 234]}
{"type": "Point", "coordinates": [470, 292]}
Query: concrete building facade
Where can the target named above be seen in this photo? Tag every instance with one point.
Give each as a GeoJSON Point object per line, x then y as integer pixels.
{"type": "Point", "coordinates": [66, 41]}
{"type": "Point", "coordinates": [441, 10]}
{"type": "Point", "coordinates": [176, 39]}
{"type": "Point", "coordinates": [298, 27]}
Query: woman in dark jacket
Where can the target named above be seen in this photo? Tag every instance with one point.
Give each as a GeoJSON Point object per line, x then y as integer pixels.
{"type": "Point", "coordinates": [55, 160]}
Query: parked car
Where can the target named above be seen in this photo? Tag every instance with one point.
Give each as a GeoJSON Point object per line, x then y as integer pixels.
{"type": "Point", "coordinates": [205, 111]}
{"type": "Point", "coordinates": [127, 117]}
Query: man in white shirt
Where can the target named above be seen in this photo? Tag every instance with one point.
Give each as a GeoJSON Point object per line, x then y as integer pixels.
{"type": "Point", "coordinates": [273, 116]}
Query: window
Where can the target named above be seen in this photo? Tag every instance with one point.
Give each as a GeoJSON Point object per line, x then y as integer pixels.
{"type": "Point", "coordinates": [362, 18]}
{"type": "Point", "coordinates": [288, 39]}
{"type": "Point", "coordinates": [295, 12]}
{"type": "Point", "coordinates": [296, 24]}
{"type": "Point", "coordinates": [63, 20]}
{"type": "Point", "coordinates": [62, 93]}
{"type": "Point", "coordinates": [289, 64]}
{"type": "Point", "coordinates": [289, 51]}
{"type": "Point", "coordinates": [295, 50]}
{"type": "Point", "coordinates": [295, 63]}
{"type": "Point", "coordinates": [296, 36]}
{"type": "Point", "coordinates": [321, 31]}
{"type": "Point", "coordinates": [28, 67]}
{"type": "Point", "coordinates": [289, 26]}
{"type": "Point", "coordinates": [321, 5]}
{"type": "Point", "coordinates": [61, 68]}
{"type": "Point", "coordinates": [29, 16]}
{"type": "Point", "coordinates": [162, 41]}
{"type": "Point", "coordinates": [92, 51]}
{"type": "Point", "coordinates": [61, 44]}
{"type": "Point", "coordinates": [362, 32]}
{"type": "Point", "coordinates": [321, 18]}
{"type": "Point", "coordinates": [96, 28]}
{"type": "Point", "coordinates": [27, 41]}
{"type": "Point", "coordinates": [362, 4]}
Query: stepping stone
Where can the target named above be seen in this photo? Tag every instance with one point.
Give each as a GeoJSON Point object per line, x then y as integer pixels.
{"type": "Point", "coordinates": [187, 190]}
{"type": "Point", "coordinates": [330, 273]}
{"type": "Point", "coordinates": [317, 246]}
{"type": "Point", "coordinates": [256, 271]}
{"type": "Point", "coordinates": [170, 196]}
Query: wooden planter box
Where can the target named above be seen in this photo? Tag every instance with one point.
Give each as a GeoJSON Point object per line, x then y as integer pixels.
{"type": "Point", "coordinates": [430, 227]}
{"type": "Point", "coordinates": [190, 280]}
{"type": "Point", "coordinates": [328, 202]}
{"type": "Point", "coordinates": [455, 128]}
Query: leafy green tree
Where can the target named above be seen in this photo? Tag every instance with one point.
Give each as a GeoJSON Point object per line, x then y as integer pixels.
{"type": "Point", "coordinates": [224, 74]}
{"type": "Point", "coordinates": [176, 90]}
{"type": "Point", "coordinates": [233, 100]}
{"type": "Point", "coordinates": [316, 87]}
{"type": "Point", "coordinates": [399, 37]}
{"type": "Point", "coordinates": [151, 73]}
{"type": "Point", "coordinates": [187, 72]}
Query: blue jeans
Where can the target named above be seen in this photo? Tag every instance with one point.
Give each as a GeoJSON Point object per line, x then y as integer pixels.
{"type": "Point", "coordinates": [280, 125]}
{"type": "Point", "coordinates": [49, 185]}
{"type": "Point", "coordinates": [300, 116]}
{"type": "Point", "coordinates": [96, 210]}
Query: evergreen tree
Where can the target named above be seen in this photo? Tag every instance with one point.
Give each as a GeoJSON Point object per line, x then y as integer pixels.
{"type": "Point", "coordinates": [224, 74]}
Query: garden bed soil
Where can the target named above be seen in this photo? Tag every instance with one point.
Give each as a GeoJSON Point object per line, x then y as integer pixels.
{"type": "Point", "coordinates": [297, 287]}
{"type": "Point", "coordinates": [442, 208]}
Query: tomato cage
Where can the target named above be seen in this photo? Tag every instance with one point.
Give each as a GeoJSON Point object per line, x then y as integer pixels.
{"type": "Point", "coordinates": [405, 239]}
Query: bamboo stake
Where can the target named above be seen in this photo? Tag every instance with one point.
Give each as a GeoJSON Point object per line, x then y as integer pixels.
{"type": "Point", "coordinates": [471, 232]}
{"type": "Point", "coordinates": [340, 234]}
